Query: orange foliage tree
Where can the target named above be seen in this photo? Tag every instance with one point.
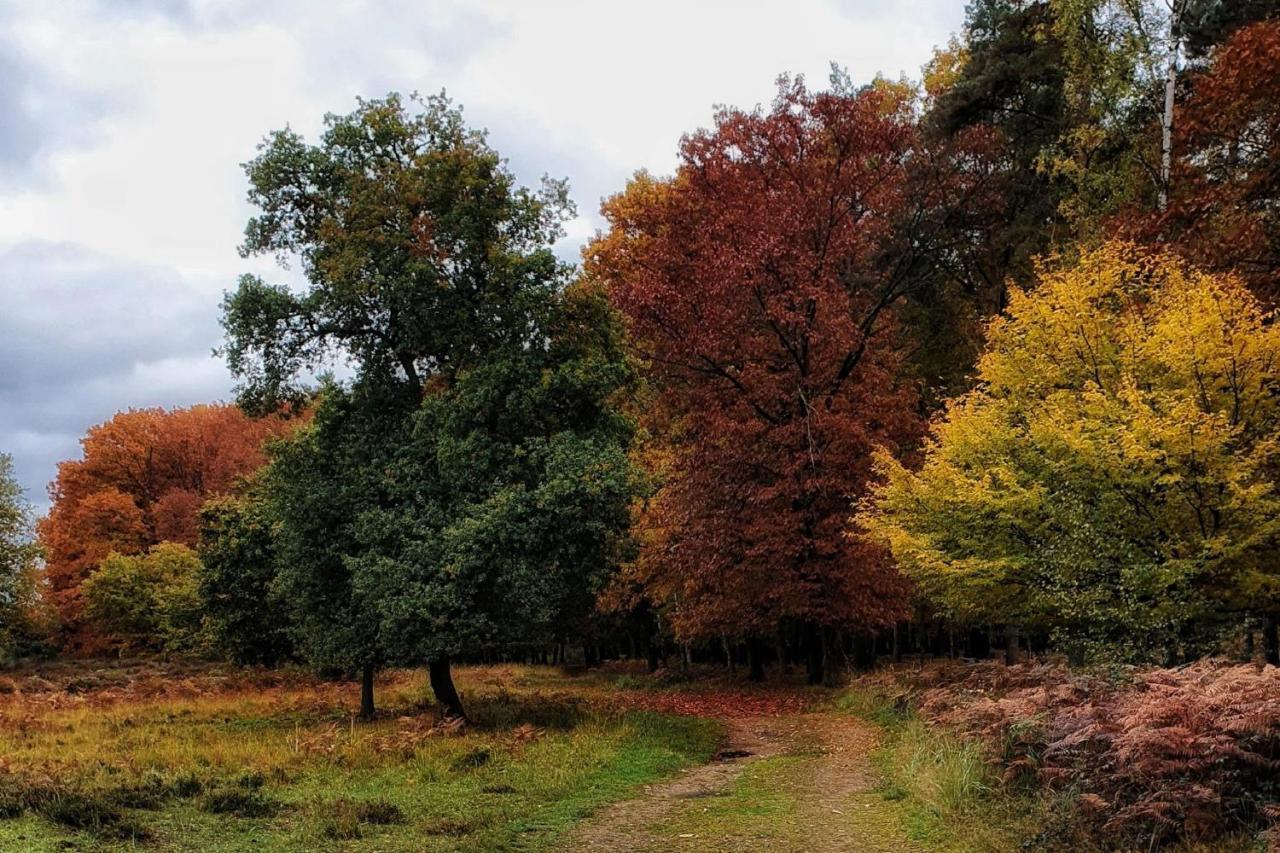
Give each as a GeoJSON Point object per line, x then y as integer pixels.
{"type": "Point", "coordinates": [758, 292]}
{"type": "Point", "coordinates": [142, 479]}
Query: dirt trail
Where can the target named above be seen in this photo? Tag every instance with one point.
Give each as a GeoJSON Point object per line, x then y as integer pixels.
{"type": "Point", "coordinates": [812, 791]}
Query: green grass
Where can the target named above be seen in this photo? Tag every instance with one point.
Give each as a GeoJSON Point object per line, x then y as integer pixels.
{"type": "Point", "coordinates": [288, 769]}
{"type": "Point", "coordinates": [761, 805]}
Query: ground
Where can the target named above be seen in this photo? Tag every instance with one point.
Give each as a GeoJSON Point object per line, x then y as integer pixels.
{"type": "Point", "coordinates": [790, 782]}
{"type": "Point", "coordinates": [110, 756]}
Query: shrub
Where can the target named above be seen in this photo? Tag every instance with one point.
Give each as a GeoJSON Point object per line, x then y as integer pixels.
{"type": "Point", "coordinates": [1191, 752]}
{"type": "Point", "coordinates": [237, 556]}
{"type": "Point", "coordinates": [1158, 756]}
{"type": "Point", "coordinates": [150, 600]}
{"type": "Point", "coordinates": [345, 817]}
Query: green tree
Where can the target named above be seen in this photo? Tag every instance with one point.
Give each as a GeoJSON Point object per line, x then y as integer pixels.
{"type": "Point", "coordinates": [510, 501]}
{"type": "Point", "coordinates": [1211, 22]}
{"type": "Point", "coordinates": [317, 486]}
{"type": "Point", "coordinates": [1112, 479]}
{"type": "Point", "coordinates": [420, 251]}
{"type": "Point", "coordinates": [431, 274]}
{"type": "Point", "coordinates": [18, 564]}
{"type": "Point", "coordinates": [238, 569]}
{"type": "Point", "coordinates": [149, 600]}
{"type": "Point", "coordinates": [1013, 80]}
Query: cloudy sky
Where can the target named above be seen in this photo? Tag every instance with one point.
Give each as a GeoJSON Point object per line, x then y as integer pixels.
{"type": "Point", "coordinates": [122, 124]}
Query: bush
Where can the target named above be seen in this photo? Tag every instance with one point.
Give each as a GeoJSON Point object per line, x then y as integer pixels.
{"type": "Point", "coordinates": [1191, 752]}
{"type": "Point", "coordinates": [1161, 755]}
{"type": "Point", "coordinates": [345, 817]}
{"type": "Point", "coordinates": [147, 601]}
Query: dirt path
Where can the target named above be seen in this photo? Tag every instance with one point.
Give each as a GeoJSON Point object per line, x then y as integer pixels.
{"type": "Point", "coordinates": [796, 782]}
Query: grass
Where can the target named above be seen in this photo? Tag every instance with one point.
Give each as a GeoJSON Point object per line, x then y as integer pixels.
{"type": "Point", "coordinates": [946, 793]}
{"type": "Point", "coordinates": [227, 764]}
{"type": "Point", "coordinates": [761, 805]}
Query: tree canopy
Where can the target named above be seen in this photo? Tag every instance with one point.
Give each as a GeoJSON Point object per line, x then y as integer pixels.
{"type": "Point", "coordinates": [753, 288]}
{"type": "Point", "coordinates": [141, 480]}
{"type": "Point", "coordinates": [1112, 477]}
{"type": "Point", "coordinates": [462, 489]}
{"type": "Point", "coordinates": [18, 563]}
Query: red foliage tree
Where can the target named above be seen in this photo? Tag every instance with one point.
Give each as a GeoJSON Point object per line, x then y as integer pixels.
{"type": "Point", "coordinates": [142, 479]}
{"type": "Point", "coordinates": [759, 289]}
{"type": "Point", "coordinates": [1222, 212]}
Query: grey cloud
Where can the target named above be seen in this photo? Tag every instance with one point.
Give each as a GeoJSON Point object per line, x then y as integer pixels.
{"type": "Point", "coordinates": [82, 336]}
{"type": "Point", "coordinates": [41, 113]}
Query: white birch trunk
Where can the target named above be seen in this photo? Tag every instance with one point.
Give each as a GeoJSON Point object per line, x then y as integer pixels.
{"type": "Point", "coordinates": [1170, 89]}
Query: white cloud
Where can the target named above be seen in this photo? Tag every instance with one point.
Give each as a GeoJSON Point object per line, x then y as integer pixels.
{"type": "Point", "coordinates": [139, 112]}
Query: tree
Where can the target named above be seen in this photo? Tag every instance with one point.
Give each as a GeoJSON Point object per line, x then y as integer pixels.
{"type": "Point", "coordinates": [146, 601]}
{"type": "Point", "coordinates": [1013, 80]}
{"type": "Point", "coordinates": [430, 272]}
{"type": "Point", "coordinates": [1209, 23]}
{"type": "Point", "coordinates": [1112, 477]}
{"type": "Point", "coordinates": [509, 504]}
{"type": "Point", "coordinates": [318, 484]}
{"type": "Point", "coordinates": [421, 252]}
{"type": "Point", "coordinates": [141, 480]}
{"type": "Point", "coordinates": [1221, 213]}
{"type": "Point", "coordinates": [238, 566]}
{"type": "Point", "coordinates": [18, 558]}
{"type": "Point", "coordinates": [760, 285]}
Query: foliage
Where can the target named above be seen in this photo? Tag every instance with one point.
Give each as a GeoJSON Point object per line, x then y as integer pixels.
{"type": "Point", "coordinates": [1013, 81]}
{"type": "Point", "coordinates": [768, 334]}
{"type": "Point", "coordinates": [1159, 755]}
{"type": "Point", "coordinates": [141, 480]}
{"type": "Point", "coordinates": [1221, 211]}
{"type": "Point", "coordinates": [18, 565]}
{"type": "Point", "coordinates": [463, 489]}
{"type": "Point", "coordinates": [508, 505]}
{"type": "Point", "coordinates": [1111, 478]}
{"type": "Point", "coordinates": [146, 601]}
{"type": "Point", "coordinates": [237, 572]}
{"type": "Point", "coordinates": [420, 251]}
{"type": "Point", "coordinates": [317, 485]}
{"type": "Point", "coordinates": [1210, 23]}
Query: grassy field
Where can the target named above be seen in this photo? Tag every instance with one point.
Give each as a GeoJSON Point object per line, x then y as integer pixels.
{"type": "Point", "coordinates": [171, 758]}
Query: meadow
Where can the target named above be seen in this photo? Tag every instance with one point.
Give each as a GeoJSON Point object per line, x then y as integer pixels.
{"type": "Point", "coordinates": [182, 756]}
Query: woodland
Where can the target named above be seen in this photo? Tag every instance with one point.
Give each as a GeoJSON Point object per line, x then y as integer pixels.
{"type": "Point", "coordinates": [944, 412]}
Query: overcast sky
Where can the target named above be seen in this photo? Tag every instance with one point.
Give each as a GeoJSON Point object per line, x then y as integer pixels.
{"type": "Point", "coordinates": [123, 124]}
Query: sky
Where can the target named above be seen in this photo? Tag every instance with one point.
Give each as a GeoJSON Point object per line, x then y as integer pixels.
{"type": "Point", "coordinates": [123, 124]}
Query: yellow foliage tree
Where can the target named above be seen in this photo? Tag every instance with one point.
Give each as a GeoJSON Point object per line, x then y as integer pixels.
{"type": "Point", "coordinates": [1112, 477]}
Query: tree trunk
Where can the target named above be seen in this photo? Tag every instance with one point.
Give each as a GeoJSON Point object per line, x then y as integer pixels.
{"type": "Point", "coordinates": [816, 659]}
{"type": "Point", "coordinates": [366, 692]}
{"type": "Point", "coordinates": [1170, 92]}
{"type": "Point", "coordinates": [1271, 638]}
{"type": "Point", "coordinates": [755, 658]}
{"type": "Point", "coordinates": [1011, 644]}
{"type": "Point", "coordinates": [442, 687]}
